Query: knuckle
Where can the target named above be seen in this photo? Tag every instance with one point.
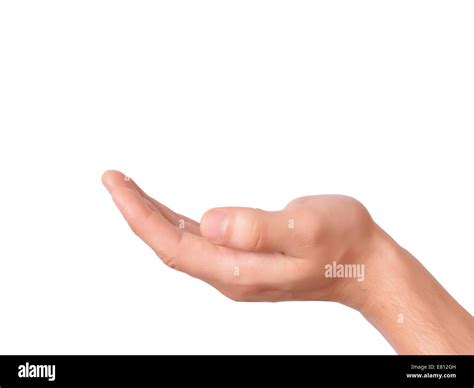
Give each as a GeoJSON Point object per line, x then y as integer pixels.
{"type": "Point", "coordinates": [255, 239]}
{"type": "Point", "coordinates": [246, 289]}
{"type": "Point", "coordinates": [235, 297]}
{"type": "Point", "coordinates": [301, 201]}
{"type": "Point", "coordinates": [170, 262]}
{"type": "Point", "coordinates": [134, 227]}
{"type": "Point", "coordinates": [240, 295]}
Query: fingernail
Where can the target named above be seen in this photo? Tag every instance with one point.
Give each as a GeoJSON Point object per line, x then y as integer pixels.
{"type": "Point", "coordinates": [215, 224]}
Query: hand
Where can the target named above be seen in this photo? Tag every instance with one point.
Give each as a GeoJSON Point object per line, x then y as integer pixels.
{"type": "Point", "coordinates": [255, 255]}
{"type": "Point", "coordinates": [310, 250]}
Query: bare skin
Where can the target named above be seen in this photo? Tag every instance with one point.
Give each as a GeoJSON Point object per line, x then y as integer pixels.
{"type": "Point", "coordinates": [255, 255]}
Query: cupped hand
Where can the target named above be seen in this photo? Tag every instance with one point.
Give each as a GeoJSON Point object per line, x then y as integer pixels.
{"type": "Point", "coordinates": [255, 255]}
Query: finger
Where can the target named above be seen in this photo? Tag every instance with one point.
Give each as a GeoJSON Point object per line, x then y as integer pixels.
{"type": "Point", "coordinates": [112, 179]}
{"type": "Point", "coordinates": [183, 251]}
{"type": "Point", "coordinates": [247, 229]}
{"type": "Point", "coordinates": [231, 271]}
{"type": "Point", "coordinates": [182, 222]}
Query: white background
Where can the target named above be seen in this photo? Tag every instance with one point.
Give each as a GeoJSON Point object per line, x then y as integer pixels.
{"type": "Point", "coordinates": [217, 103]}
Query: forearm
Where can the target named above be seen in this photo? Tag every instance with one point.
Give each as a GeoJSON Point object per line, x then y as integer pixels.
{"type": "Point", "coordinates": [409, 307]}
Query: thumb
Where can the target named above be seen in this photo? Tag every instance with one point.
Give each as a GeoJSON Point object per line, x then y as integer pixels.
{"type": "Point", "coordinates": [247, 229]}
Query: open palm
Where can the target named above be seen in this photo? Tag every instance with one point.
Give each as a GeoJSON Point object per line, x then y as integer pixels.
{"type": "Point", "coordinates": [251, 254]}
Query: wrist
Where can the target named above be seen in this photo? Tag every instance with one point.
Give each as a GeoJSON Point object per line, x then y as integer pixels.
{"type": "Point", "coordinates": [406, 303]}
{"type": "Point", "coordinates": [380, 256]}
